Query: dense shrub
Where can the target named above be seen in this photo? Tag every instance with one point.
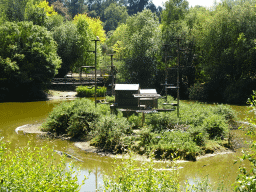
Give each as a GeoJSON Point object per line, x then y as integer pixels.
{"type": "Point", "coordinates": [108, 133]}
{"type": "Point", "coordinates": [225, 111]}
{"type": "Point", "coordinates": [173, 144]}
{"type": "Point", "coordinates": [35, 169]}
{"type": "Point", "coordinates": [135, 120]}
{"type": "Point", "coordinates": [110, 99]}
{"type": "Point", "coordinates": [198, 135]}
{"type": "Point", "coordinates": [215, 126]}
{"type": "Point", "coordinates": [73, 118]}
{"type": "Point", "coordinates": [86, 91]}
{"type": "Point", "coordinates": [161, 121]}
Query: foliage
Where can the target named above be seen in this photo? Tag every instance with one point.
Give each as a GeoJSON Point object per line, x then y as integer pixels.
{"type": "Point", "coordinates": [171, 18]}
{"type": "Point", "coordinates": [130, 176]}
{"type": "Point", "coordinates": [35, 169]}
{"type": "Point", "coordinates": [141, 39]}
{"type": "Point", "coordinates": [174, 144]}
{"type": "Point", "coordinates": [225, 43]}
{"type": "Point", "coordinates": [95, 25]}
{"type": "Point", "coordinates": [76, 7]}
{"type": "Point", "coordinates": [73, 118]}
{"type": "Point", "coordinates": [115, 15]}
{"type": "Point", "coordinates": [246, 179]}
{"type": "Point", "coordinates": [86, 91]}
{"type": "Point", "coordinates": [116, 41]}
{"type": "Point", "coordinates": [162, 134]}
{"type": "Point", "coordinates": [28, 56]}
{"type": "Point", "coordinates": [48, 9]}
{"type": "Point", "coordinates": [61, 9]}
{"type": "Point", "coordinates": [195, 114]}
{"type": "Point", "coordinates": [67, 37]}
{"type": "Point", "coordinates": [186, 137]}
{"type": "Point", "coordinates": [84, 42]}
{"type": "Point", "coordinates": [197, 92]}
{"type": "Point", "coordinates": [135, 120]}
{"type": "Point", "coordinates": [13, 10]}
{"type": "Point", "coordinates": [215, 126]}
{"type": "Point", "coordinates": [35, 13]}
{"type": "Point", "coordinates": [198, 135]}
{"type": "Point", "coordinates": [109, 132]}
{"type": "Point", "coordinates": [110, 99]}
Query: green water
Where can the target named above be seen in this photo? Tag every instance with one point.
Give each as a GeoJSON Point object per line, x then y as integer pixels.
{"type": "Point", "coordinates": [219, 168]}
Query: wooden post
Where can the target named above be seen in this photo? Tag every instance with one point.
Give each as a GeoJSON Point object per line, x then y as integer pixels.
{"type": "Point", "coordinates": [95, 77]}
{"type": "Point", "coordinates": [112, 73]}
{"type": "Point", "coordinates": [178, 79]}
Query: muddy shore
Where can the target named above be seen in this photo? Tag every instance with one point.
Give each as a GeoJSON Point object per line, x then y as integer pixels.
{"type": "Point", "coordinates": [85, 145]}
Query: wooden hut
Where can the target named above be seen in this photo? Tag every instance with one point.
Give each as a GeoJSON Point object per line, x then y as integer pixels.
{"type": "Point", "coordinates": [124, 95]}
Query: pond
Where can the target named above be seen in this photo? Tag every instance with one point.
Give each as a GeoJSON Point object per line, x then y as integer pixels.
{"type": "Point", "coordinates": [219, 168]}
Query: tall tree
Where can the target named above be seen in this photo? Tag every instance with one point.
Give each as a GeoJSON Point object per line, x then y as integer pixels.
{"type": "Point", "coordinates": [61, 9]}
{"type": "Point", "coordinates": [28, 57]}
{"type": "Point", "coordinates": [225, 42]}
{"type": "Point", "coordinates": [114, 15]}
{"type": "Point", "coordinates": [76, 7]}
{"type": "Point", "coordinates": [135, 6]}
{"type": "Point", "coordinates": [142, 40]}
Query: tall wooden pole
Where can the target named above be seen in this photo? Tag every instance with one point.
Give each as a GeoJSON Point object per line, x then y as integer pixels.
{"type": "Point", "coordinates": [95, 77]}
{"type": "Point", "coordinates": [166, 70]}
{"type": "Point", "coordinates": [112, 73]}
{"type": "Point", "coordinates": [178, 79]}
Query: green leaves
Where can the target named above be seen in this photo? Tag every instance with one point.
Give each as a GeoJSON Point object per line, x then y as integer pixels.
{"type": "Point", "coordinates": [35, 169]}
{"type": "Point", "coordinates": [133, 176]}
{"type": "Point", "coordinates": [28, 53]}
{"type": "Point", "coordinates": [224, 37]}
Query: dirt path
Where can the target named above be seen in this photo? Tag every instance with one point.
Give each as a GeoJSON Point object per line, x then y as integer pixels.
{"type": "Point", "coordinates": [57, 95]}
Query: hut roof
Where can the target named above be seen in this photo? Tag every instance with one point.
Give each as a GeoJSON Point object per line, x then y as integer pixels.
{"type": "Point", "coordinates": [127, 87]}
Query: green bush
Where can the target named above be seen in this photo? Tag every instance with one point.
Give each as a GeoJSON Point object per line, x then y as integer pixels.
{"type": "Point", "coordinates": [86, 91]}
{"type": "Point", "coordinates": [135, 121]}
{"type": "Point", "coordinates": [174, 144]}
{"type": "Point", "coordinates": [198, 135]}
{"type": "Point", "coordinates": [215, 126]}
{"type": "Point", "coordinates": [35, 169]}
{"type": "Point", "coordinates": [73, 118]}
{"type": "Point", "coordinates": [162, 121]}
{"type": "Point", "coordinates": [110, 99]}
{"type": "Point", "coordinates": [131, 176]}
{"type": "Point", "coordinates": [225, 111]}
{"type": "Point", "coordinates": [109, 131]}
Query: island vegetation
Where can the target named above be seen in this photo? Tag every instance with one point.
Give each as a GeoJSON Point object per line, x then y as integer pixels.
{"type": "Point", "coordinates": [200, 129]}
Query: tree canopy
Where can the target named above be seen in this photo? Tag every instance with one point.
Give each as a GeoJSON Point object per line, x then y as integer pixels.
{"type": "Point", "coordinates": [28, 55]}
